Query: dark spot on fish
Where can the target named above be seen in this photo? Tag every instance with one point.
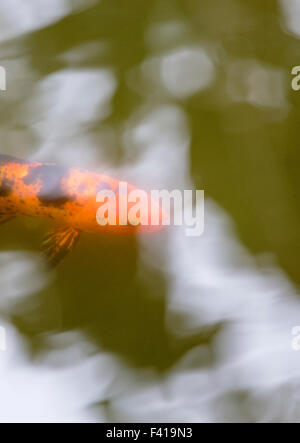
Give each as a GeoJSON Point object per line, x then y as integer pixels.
{"type": "Point", "coordinates": [33, 176]}
{"type": "Point", "coordinates": [50, 178]}
{"type": "Point", "coordinates": [54, 201]}
{"type": "Point", "coordinates": [4, 159]}
{"type": "Point", "coordinates": [6, 187]}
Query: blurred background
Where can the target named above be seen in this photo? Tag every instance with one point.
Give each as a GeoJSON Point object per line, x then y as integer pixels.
{"type": "Point", "coordinates": [184, 94]}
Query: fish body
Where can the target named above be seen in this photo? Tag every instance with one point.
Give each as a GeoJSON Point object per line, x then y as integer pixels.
{"type": "Point", "coordinates": [66, 195]}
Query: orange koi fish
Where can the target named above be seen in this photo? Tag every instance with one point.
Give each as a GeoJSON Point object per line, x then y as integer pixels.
{"type": "Point", "coordinates": [66, 195]}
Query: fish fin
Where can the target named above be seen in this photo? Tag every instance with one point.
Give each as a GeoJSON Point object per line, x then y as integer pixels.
{"type": "Point", "coordinates": [5, 217]}
{"type": "Point", "coordinates": [58, 243]}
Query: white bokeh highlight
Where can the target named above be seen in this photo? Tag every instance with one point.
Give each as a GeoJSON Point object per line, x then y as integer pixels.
{"type": "Point", "coordinates": [187, 71]}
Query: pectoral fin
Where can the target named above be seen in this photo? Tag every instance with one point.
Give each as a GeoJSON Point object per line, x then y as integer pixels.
{"type": "Point", "coordinates": [5, 217]}
{"type": "Point", "coordinates": [58, 243]}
